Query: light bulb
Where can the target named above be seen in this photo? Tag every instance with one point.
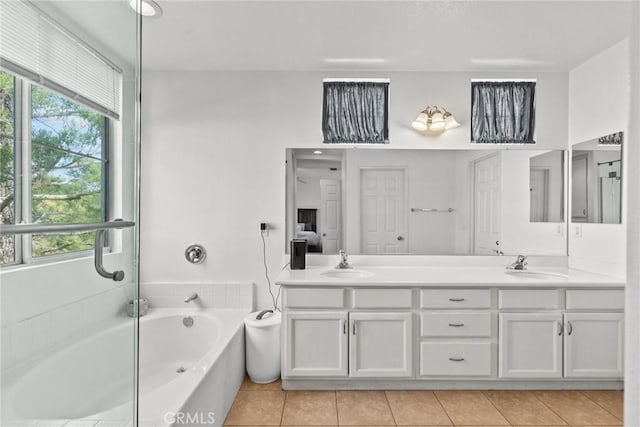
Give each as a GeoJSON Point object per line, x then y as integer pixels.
{"type": "Point", "coordinates": [420, 123]}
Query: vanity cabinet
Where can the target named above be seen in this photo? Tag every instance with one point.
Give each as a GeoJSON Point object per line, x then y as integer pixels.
{"type": "Point", "coordinates": [581, 341]}
{"type": "Point", "coordinates": [316, 344]}
{"type": "Point", "coordinates": [364, 344]}
{"type": "Point", "coordinates": [374, 337]}
{"type": "Point", "coordinates": [380, 345]}
{"type": "Point", "coordinates": [593, 345]}
{"type": "Point", "coordinates": [530, 345]}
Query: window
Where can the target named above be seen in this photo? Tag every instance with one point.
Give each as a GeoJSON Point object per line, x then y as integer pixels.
{"type": "Point", "coordinates": [503, 112]}
{"type": "Point", "coordinates": [54, 169]}
{"type": "Point", "coordinates": [355, 111]}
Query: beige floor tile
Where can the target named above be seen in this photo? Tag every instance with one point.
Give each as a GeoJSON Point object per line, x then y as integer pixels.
{"type": "Point", "coordinates": [417, 408]}
{"type": "Point", "coordinates": [256, 408]}
{"type": "Point", "coordinates": [523, 408]}
{"type": "Point", "coordinates": [310, 408]}
{"type": "Point", "coordinates": [470, 408]}
{"type": "Point", "coordinates": [575, 408]}
{"type": "Point", "coordinates": [248, 385]}
{"type": "Point", "coordinates": [363, 408]}
{"type": "Point", "coordinates": [611, 400]}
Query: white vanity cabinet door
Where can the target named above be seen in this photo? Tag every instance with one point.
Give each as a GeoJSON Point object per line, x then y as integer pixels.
{"type": "Point", "coordinates": [316, 344]}
{"type": "Point", "coordinates": [593, 345]}
{"type": "Point", "coordinates": [530, 345]}
{"type": "Point", "coordinates": [380, 345]}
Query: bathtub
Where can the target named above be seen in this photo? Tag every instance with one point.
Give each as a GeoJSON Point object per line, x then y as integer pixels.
{"type": "Point", "coordinates": [188, 375]}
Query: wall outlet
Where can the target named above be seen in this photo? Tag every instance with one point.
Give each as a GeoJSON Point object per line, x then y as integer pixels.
{"type": "Point", "coordinates": [578, 231]}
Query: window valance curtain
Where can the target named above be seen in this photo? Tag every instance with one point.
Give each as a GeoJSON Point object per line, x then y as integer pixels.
{"type": "Point", "coordinates": [355, 112]}
{"type": "Point", "coordinates": [503, 112]}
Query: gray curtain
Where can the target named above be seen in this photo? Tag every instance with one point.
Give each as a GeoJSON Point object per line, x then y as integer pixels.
{"type": "Point", "coordinates": [355, 112]}
{"type": "Point", "coordinates": [503, 112]}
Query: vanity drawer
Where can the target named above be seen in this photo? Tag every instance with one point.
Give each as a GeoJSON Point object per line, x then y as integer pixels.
{"type": "Point", "coordinates": [382, 298]}
{"type": "Point", "coordinates": [314, 298]}
{"type": "Point", "coordinates": [458, 359]}
{"type": "Point", "coordinates": [530, 298]}
{"type": "Point", "coordinates": [595, 299]}
{"type": "Point", "coordinates": [455, 298]}
{"type": "Point", "coordinates": [455, 324]}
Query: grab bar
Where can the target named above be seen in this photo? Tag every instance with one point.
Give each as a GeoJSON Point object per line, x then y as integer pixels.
{"type": "Point", "coordinates": [431, 210]}
{"type": "Point", "coordinates": [62, 228]}
{"type": "Point", "coordinates": [99, 227]}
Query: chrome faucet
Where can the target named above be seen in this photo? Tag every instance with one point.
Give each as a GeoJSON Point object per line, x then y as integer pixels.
{"type": "Point", "coordinates": [520, 263]}
{"type": "Point", "coordinates": [191, 297]}
{"type": "Point", "coordinates": [344, 262]}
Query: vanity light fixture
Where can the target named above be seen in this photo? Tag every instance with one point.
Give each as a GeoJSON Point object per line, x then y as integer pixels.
{"type": "Point", "coordinates": [434, 119]}
{"type": "Point", "coordinates": [146, 8]}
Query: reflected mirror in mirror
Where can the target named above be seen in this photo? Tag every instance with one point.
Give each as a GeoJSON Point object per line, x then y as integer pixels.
{"type": "Point", "coordinates": [596, 180]}
{"type": "Point", "coordinates": [546, 187]}
{"type": "Point", "coordinates": [428, 202]}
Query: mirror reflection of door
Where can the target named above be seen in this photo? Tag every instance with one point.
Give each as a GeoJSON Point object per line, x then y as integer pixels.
{"type": "Point", "coordinates": [383, 214]}
{"type": "Point", "coordinates": [487, 206]}
{"type": "Point", "coordinates": [579, 188]}
{"type": "Point", "coordinates": [539, 194]}
{"type": "Point", "coordinates": [330, 214]}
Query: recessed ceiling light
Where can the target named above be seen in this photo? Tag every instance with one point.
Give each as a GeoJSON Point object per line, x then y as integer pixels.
{"type": "Point", "coordinates": [317, 152]}
{"type": "Point", "coordinates": [147, 8]}
{"type": "Point", "coordinates": [355, 60]}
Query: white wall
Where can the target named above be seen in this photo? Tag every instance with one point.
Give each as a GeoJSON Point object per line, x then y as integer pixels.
{"type": "Point", "coordinates": [599, 105]}
{"type": "Point", "coordinates": [632, 290]}
{"type": "Point", "coordinates": [211, 176]}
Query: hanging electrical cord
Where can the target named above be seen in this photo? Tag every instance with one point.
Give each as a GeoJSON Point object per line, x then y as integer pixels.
{"type": "Point", "coordinates": [274, 298]}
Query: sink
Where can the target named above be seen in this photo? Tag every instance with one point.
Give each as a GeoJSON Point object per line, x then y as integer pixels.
{"type": "Point", "coordinates": [538, 275]}
{"type": "Point", "coordinates": [346, 273]}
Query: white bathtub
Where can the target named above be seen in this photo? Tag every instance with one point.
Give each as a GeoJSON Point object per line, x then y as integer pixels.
{"type": "Point", "coordinates": [92, 379]}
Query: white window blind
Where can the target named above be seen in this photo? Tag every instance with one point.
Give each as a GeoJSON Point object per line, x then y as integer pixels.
{"type": "Point", "coordinates": [34, 46]}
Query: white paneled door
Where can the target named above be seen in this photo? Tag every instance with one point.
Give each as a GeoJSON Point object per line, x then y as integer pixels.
{"type": "Point", "coordinates": [330, 214]}
{"type": "Point", "coordinates": [383, 213]}
{"type": "Point", "coordinates": [487, 209]}
{"type": "Point", "coordinates": [380, 345]}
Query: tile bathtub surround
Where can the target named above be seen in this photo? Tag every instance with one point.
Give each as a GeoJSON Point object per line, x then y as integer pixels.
{"type": "Point", "coordinates": [210, 295]}
{"type": "Point", "coordinates": [50, 330]}
{"type": "Point", "coordinates": [268, 404]}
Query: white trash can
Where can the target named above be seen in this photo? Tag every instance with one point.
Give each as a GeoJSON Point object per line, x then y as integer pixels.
{"type": "Point", "coordinates": [262, 333]}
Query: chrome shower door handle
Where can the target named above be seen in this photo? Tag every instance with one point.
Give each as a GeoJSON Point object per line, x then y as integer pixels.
{"type": "Point", "coordinates": [116, 276]}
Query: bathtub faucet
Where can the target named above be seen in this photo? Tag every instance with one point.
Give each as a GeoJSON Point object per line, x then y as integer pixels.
{"type": "Point", "coordinates": [191, 297]}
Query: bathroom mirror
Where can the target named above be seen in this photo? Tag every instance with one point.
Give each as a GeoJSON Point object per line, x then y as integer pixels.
{"type": "Point", "coordinates": [546, 187]}
{"type": "Point", "coordinates": [428, 202]}
{"type": "Point", "coordinates": [596, 180]}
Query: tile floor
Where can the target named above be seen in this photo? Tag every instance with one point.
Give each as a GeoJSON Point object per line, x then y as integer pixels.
{"type": "Point", "coordinates": [269, 405]}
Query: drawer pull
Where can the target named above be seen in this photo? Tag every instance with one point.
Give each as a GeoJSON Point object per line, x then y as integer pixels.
{"type": "Point", "coordinates": [456, 299]}
{"type": "Point", "coordinates": [560, 328]}
{"type": "Point", "coordinates": [456, 325]}
{"type": "Point", "coordinates": [344, 327]}
{"type": "Point", "coordinates": [570, 331]}
{"type": "Point", "coordinates": [457, 359]}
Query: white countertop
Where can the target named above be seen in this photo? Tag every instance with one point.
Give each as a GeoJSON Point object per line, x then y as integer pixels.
{"type": "Point", "coordinates": [448, 276]}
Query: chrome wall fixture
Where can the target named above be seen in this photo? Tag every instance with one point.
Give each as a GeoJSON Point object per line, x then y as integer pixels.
{"type": "Point", "coordinates": [99, 227]}
{"type": "Point", "coordinates": [434, 119]}
{"type": "Point", "coordinates": [195, 254]}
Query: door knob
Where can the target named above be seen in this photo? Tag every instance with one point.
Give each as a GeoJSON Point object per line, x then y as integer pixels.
{"type": "Point", "coordinates": [400, 238]}
{"type": "Point", "coordinates": [324, 234]}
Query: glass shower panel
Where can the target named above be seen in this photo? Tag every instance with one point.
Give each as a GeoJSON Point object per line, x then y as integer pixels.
{"type": "Point", "coordinates": [69, 144]}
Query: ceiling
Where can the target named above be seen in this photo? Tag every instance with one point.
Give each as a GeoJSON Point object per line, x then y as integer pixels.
{"type": "Point", "coordinates": [344, 35]}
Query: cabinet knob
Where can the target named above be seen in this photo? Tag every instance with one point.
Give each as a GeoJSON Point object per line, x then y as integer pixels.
{"type": "Point", "coordinates": [400, 238]}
